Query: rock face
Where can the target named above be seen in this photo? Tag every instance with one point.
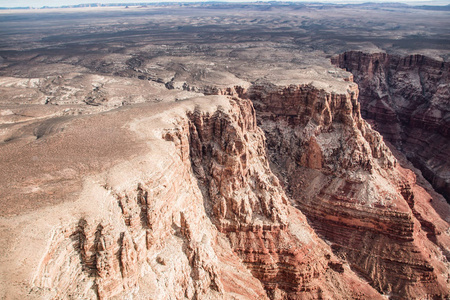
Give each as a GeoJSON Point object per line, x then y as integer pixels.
{"type": "Point", "coordinates": [214, 198]}
{"type": "Point", "coordinates": [346, 181]}
{"type": "Point", "coordinates": [407, 100]}
{"type": "Point", "coordinates": [197, 215]}
{"type": "Point", "coordinates": [247, 203]}
{"type": "Point", "coordinates": [149, 237]}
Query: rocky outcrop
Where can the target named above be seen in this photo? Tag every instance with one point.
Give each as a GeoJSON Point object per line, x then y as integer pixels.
{"type": "Point", "coordinates": [246, 202]}
{"type": "Point", "coordinates": [407, 100]}
{"type": "Point", "coordinates": [105, 257]}
{"type": "Point", "coordinates": [138, 230]}
{"type": "Point", "coordinates": [197, 211]}
{"type": "Point", "coordinates": [345, 180]}
{"type": "Point", "coordinates": [205, 218]}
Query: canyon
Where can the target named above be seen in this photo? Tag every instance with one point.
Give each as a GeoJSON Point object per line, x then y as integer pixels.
{"type": "Point", "coordinates": [407, 101]}
{"type": "Point", "coordinates": [159, 154]}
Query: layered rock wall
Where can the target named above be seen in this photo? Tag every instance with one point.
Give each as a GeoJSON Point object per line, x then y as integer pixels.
{"type": "Point", "coordinates": [209, 220]}
{"type": "Point", "coordinates": [150, 237]}
{"type": "Point", "coordinates": [345, 180]}
{"type": "Point", "coordinates": [247, 203]}
{"type": "Point", "coordinates": [407, 99]}
{"type": "Point", "coordinates": [199, 213]}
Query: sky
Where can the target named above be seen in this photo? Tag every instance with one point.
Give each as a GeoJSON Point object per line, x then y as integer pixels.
{"type": "Point", "coordinates": [41, 3]}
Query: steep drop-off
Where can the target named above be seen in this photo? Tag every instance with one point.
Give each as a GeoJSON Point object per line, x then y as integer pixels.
{"type": "Point", "coordinates": [138, 228]}
{"type": "Point", "coordinates": [194, 213]}
{"type": "Point", "coordinates": [407, 99]}
{"type": "Point", "coordinates": [247, 203]}
{"type": "Point", "coordinates": [341, 175]}
{"type": "Point", "coordinates": [192, 199]}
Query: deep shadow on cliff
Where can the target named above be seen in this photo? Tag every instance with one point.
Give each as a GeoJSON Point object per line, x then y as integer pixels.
{"type": "Point", "coordinates": [277, 189]}
{"type": "Point", "coordinates": [341, 175]}
{"type": "Point", "coordinates": [407, 99]}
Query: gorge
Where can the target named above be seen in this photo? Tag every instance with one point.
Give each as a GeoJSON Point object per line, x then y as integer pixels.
{"type": "Point", "coordinates": [156, 153]}
{"type": "Point", "coordinates": [407, 100]}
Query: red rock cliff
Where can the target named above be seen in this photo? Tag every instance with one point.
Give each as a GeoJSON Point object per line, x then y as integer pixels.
{"type": "Point", "coordinates": [198, 215]}
{"type": "Point", "coordinates": [197, 212]}
{"type": "Point", "coordinates": [247, 203]}
{"type": "Point", "coordinates": [408, 101]}
{"type": "Point", "coordinates": [346, 181]}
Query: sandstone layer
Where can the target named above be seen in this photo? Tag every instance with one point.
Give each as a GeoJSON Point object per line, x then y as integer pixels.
{"type": "Point", "coordinates": [182, 200]}
{"type": "Point", "coordinates": [193, 211]}
{"type": "Point", "coordinates": [407, 99]}
{"type": "Point", "coordinates": [340, 174]}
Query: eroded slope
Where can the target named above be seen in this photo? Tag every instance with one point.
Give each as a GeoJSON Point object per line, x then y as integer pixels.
{"type": "Point", "coordinates": [196, 212]}
{"type": "Point", "coordinates": [346, 181]}
{"type": "Point", "coordinates": [407, 99]}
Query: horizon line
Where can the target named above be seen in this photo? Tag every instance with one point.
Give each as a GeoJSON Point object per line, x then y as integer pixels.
{"type": "Point", "coordinates": [411, 3]}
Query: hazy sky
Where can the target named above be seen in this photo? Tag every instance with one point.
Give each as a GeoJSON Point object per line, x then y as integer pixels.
{"type": "Point", "coordinates": [40, 3]}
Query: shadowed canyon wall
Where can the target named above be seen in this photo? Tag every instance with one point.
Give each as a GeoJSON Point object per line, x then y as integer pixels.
{"type": "Point", "coordinates": [272, 191]}
{"type": "Point", "coordinates": [207, 219]}
{"type": "Point", "coordinates": [340, 174]}
{"type": "Point", "coordinates": [407, 99]}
